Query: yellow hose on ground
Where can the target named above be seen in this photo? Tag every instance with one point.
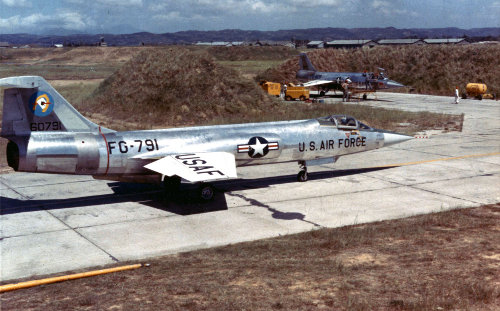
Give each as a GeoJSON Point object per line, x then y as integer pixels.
{"type": "Point", "coordinates": [10, 287]}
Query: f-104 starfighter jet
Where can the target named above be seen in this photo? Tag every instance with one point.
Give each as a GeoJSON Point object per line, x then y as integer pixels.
{"type": "Point", "coordinates": [47, 135]}
{"type": "Point", "coordinates": [359, 81]}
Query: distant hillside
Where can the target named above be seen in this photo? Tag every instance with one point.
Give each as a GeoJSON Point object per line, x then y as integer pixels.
{"type": "Point", "coordinates": [187, 37]}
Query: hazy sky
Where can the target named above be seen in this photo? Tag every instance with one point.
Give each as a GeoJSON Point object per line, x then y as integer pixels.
{"type": "Point", "coordinates": [125, 16]}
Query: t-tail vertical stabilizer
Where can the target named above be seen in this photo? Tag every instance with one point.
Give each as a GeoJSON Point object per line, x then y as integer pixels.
{"type": "Point", "coordinates": [305, 63]}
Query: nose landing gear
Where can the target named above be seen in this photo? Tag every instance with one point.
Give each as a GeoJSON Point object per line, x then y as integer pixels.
{"type": "Point", "coordinates": [302, 176]}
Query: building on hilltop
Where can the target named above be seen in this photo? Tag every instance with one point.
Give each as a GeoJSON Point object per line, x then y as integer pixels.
{"type": "Point", "coordinates": [220, 43]}
{"type": "Point", "coordinates": [446, 41]}
{"type": "Point", "coordinates": [350, 44]}
{"type": "Point", "coordinates": [4, 45]}
{"type": "Point", "coordinates": [400, 41]}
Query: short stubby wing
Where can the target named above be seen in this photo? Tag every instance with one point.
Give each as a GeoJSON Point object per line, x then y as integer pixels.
{"type": "Point", "coordinates": [317, 82]}
{"type": "Point", "coordinates": [197, 167]}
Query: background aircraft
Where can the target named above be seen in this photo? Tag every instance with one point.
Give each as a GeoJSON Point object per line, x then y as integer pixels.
{"type": "Point", "coordinates": [361, 81]}
{"type": "Point", "coordinates": [47, 135]}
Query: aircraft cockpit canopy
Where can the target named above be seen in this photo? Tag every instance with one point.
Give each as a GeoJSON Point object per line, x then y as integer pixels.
{"type": "Point", "coordinates": [342, 121]}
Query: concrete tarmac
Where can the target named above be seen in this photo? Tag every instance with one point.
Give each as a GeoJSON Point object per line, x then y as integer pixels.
{"type": "Point", "coordinates": [56, 223]}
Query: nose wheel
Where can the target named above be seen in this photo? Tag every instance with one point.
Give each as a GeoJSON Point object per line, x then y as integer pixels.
{"type": "Point", "coordinates": [302, 176]}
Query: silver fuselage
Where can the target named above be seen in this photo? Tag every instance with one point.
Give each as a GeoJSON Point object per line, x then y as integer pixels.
{"type": "Point", "coordinates": [122, 155]}
{"type": "Point", "coordinates": [48, 135]}
{"type": "Point", "coordinates": [360, 80]}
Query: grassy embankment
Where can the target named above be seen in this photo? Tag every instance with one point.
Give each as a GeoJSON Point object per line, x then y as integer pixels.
{"type": "Point", "coordinates": [443, 261]}
{"type": "Point", "coordinates": [251, 61]}
{"type": "Point", "coordinates": [173, 87]}
{"type": "Point", "coordinates": [433, 70]}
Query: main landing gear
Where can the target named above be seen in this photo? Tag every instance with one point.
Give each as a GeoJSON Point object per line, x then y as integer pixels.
{"type": "Point", "coordinates": [302, 175]}
{"type": "Point", "coordinates": [205, 191]}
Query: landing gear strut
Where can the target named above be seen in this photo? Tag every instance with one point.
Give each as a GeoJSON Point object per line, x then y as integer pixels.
{"type": "Point", "coordinates": [171, 185]}
{"type": "Point", "coordinates": [302, 175]}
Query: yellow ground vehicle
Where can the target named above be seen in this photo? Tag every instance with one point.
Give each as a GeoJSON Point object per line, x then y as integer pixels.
{"type": "Point", "coordinates": [272, 88]}
{"type": "Point", "coordinates": [476, 90]}
{"type": "Point", "coordinates": [294, 92]}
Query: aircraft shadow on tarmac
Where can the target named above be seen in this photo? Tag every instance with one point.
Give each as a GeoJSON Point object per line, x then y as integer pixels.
{"type": "Point", "coordinates": [353, 98]}
{"type": "Point", "coordinates": [183, 203]}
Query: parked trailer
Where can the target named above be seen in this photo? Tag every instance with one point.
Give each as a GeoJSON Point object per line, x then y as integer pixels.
{"type": "Point", "coordinates": [272, 88]}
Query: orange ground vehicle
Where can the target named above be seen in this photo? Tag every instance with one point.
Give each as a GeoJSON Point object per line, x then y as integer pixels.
{"type": "Point", "coordinates": [476, 90]}
{"type": "Point", "coordinates": [272, 88]}
{"type": "Point", "coordinates": [296, 92]}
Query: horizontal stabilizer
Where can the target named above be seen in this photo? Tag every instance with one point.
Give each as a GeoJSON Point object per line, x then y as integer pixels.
{"type": "Point", "coordinates": [196, 167]}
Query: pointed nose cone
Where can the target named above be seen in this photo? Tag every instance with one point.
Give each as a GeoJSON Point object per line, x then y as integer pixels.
{"type": "Point", "coordinates": [393, 84]}
{"type": "Point", "coordinates": [393, 138]}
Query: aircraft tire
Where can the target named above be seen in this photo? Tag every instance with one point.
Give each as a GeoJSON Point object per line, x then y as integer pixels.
{"type": "Point", "coordinates": [322, 93]}
{"type": "Point", "coordinates": [206, 192]}
{"type": "Point", "coordinates": [365, 96]}
{"type": "Point", "coordinates": [302, 176]}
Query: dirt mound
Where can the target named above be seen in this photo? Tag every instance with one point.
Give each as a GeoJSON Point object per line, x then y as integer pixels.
{"type": "Point", "coordinates": [261, 53]}
{"type": "Point", "coordinates": [427, 69]}
{"type": "Point", "coordinates": [172, 86]}
{"type": "Point", "coordinates": [92, 55]}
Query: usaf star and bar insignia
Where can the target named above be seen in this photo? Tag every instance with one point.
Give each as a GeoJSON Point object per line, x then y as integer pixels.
{"type": "Point", "coordinates": [258, 147]}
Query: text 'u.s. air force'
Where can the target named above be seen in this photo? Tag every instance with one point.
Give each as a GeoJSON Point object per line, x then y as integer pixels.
{"type": "Point", "coordinates": [330, 144]}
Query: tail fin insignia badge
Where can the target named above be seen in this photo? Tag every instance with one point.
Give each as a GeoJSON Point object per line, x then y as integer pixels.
{"type": "Point", "coordinates": [41, 104]}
